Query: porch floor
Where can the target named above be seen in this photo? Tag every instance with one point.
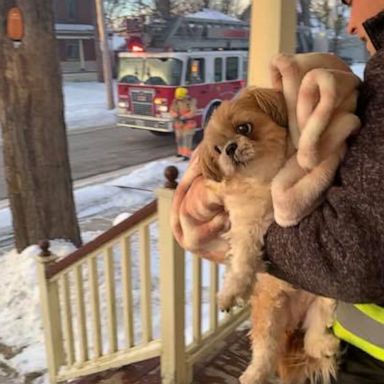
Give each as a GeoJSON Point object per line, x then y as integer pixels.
{"type": "Point", "coordinates": [223, 367]}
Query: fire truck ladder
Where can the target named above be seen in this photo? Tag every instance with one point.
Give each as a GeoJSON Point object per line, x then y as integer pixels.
{"type": "Point", "coordinates": [191, 33]}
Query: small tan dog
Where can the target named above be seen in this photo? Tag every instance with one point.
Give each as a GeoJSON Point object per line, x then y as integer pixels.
{"type": "Point", "coordinates": [245, 145]}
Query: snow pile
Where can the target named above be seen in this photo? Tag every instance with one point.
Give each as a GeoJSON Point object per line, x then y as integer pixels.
{"type": "Point", "coordinates": [121, 217]}
{"type": "Point", "coordinates": [86, 105]}
{"type": "Point", "coordinates": [123, 194]}
{"type": "Point", "coordinates": [127, 193]}
{"type": "Point", "coordinates": [20, 318]}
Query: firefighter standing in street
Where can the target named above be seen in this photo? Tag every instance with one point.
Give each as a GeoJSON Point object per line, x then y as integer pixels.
{"type": "Point", "coordinates": [183, 110]}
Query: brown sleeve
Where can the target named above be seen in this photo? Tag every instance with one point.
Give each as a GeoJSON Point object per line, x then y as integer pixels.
{"type": "Point", "coordinates": [338, 251]}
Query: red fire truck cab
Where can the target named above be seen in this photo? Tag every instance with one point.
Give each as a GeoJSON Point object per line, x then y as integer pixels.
{"type": "Point", "coordinates": [147, 83]}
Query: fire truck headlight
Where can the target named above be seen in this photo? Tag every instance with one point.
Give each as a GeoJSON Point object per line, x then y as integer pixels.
{"type": "Point", "coordinates": [163, 108]}
{"type": "Point", "coordinates": [123, 104]}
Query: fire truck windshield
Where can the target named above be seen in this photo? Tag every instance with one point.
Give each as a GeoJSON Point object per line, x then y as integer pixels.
{"type": "Point", "coordinates": [151, 70]}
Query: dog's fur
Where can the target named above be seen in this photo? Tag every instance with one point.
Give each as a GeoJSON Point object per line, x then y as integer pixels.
{"type": "Point", "coordinates": [245, 144]}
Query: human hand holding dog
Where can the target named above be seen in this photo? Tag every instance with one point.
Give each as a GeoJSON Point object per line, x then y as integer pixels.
{"type": "Point", "coordinates": [198, 217]}
{"type": "Point", "coordinates": [321, 94]}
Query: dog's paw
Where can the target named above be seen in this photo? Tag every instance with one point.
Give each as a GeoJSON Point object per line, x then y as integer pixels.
{"type": "Point", "coordinates": [226, 301]}
{"type": "Point", "coordinates": [233, 293]}
{"type": "Point", "coordinates": [319, 346]}
{"type": "Point", "coordinates": [251, 376]}
{"type": "Point", "coordinates": [248, 378]}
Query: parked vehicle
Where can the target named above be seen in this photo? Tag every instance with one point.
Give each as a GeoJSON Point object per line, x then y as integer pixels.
{"type": "Point", "coordinates": [147, 83]}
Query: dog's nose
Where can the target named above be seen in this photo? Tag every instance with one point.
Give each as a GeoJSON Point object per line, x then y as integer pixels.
{"type": "Point", "coordinates": [230, 149]}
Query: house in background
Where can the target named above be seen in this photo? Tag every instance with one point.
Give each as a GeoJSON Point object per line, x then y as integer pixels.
{"type": "Point", "coordinates": [75, 24]}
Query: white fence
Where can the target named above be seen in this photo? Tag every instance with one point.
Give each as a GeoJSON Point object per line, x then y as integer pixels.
{"type": "Point", "coordinates": [122, 298]}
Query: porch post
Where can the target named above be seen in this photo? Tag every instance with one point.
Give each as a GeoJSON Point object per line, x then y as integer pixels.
{"type": "Point", "coordinates": [273, 30]}
{"type": "Point", "coordinates": [174, 366]}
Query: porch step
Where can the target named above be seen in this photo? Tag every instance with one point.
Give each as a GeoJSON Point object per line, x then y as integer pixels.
{"type": "Point", "coordinates": [224, 367]}
{"type": "Point", "coordinates": [145, 372]}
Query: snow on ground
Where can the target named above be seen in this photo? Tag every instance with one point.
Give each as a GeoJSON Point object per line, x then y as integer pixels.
{"type": "Point", "coordinates": [125, 193]}
{"type": "Point", "coordinates": [86, 105]}
{"type": "Point", "coordinates": [20, 318]}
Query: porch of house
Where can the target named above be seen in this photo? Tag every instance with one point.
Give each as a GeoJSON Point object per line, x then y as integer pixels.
{"type": "Point", "coordinates": [89, 298]}
{"type": "Point", "coordinates": [222, 366]}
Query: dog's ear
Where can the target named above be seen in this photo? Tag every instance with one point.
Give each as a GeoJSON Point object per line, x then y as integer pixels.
{"type": "Point", "coordinates": [272, 103]}
{"type": "Point", "coordinates": [208, 163]}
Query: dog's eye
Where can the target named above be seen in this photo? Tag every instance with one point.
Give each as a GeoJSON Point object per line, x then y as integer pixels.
{"type": "Point", "coordinates": [244, 129]}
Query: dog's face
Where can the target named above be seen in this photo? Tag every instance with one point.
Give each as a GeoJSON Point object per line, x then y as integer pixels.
{"type": "Point", "coordinates": [246, 136]}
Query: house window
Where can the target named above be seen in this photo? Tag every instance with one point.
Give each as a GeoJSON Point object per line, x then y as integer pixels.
{"type": "Point", "coordinates": [72, 50]}
{"type": "Point", "coordinates": [72, 9]}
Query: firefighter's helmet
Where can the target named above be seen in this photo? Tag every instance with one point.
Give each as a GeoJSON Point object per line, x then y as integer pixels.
{"type": "Point", "coordinates": [181, 92]}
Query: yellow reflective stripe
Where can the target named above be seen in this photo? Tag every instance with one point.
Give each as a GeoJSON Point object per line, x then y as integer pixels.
{"type": "Point", "coordinates": [373, 311]}
{"type": "Point", "coordinates": [371, 349]}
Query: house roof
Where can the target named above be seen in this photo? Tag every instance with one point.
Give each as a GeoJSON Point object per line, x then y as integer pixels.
{"type": "Point", "coordinates": [212, 14]}
{"type": "Point", "coordinates": [75, 28]}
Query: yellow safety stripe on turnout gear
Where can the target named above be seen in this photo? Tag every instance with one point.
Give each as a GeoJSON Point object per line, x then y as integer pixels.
{"type": "Point", "coordinates": [374, 311]}
{"type": "Point", "coordinates": [358, 342]}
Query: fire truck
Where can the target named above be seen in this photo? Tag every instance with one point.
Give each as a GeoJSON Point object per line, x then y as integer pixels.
{"type": "Point", "coordinates": [206, 56]}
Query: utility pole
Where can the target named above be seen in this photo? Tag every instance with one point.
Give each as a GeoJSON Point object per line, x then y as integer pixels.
{"type": "Point", "coordinates": [106, 58]}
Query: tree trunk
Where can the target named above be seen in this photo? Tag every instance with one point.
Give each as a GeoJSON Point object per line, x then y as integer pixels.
{"type": "Point", "coordinates": [163, 7]}
{"type": "Point", "coordinates": [306, 12]}
{"type": "Point", "coordinates": [36, 159]}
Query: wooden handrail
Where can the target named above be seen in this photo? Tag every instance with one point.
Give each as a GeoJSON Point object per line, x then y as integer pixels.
{"type": "Point", "coordinates": [99, 241]}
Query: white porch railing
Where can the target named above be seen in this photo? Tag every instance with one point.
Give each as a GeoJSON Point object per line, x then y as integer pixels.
{"type": "Point", "coordinates": [101, 308]}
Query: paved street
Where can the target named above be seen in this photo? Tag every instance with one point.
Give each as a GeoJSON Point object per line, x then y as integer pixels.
{"type": "Point", "coordinates": [94, 152]}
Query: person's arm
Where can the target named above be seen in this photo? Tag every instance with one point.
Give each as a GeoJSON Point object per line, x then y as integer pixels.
{"type": "Point", "coordinates": [338, 250]}
{"type": "Point", "coordinates": [174, 110]}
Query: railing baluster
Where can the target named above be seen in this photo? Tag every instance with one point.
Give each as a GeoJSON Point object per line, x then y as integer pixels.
{"type": "Point", "coordinates": [67, 320]}
{"type": "Point", "coordinates": [213, 288]}
{"type": "Point", "coordinates": [95, 306]}
{"type": "Point", "coordinates": [111, 301]}
{"type": "Point", "coordinates": [196, 299]}
{"type": "Point", "coordinates": [145, 279]}
{"type": "Point", "coordinates": [127, 291]}
{"type": "Point", "coordinates": [80, 309]}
